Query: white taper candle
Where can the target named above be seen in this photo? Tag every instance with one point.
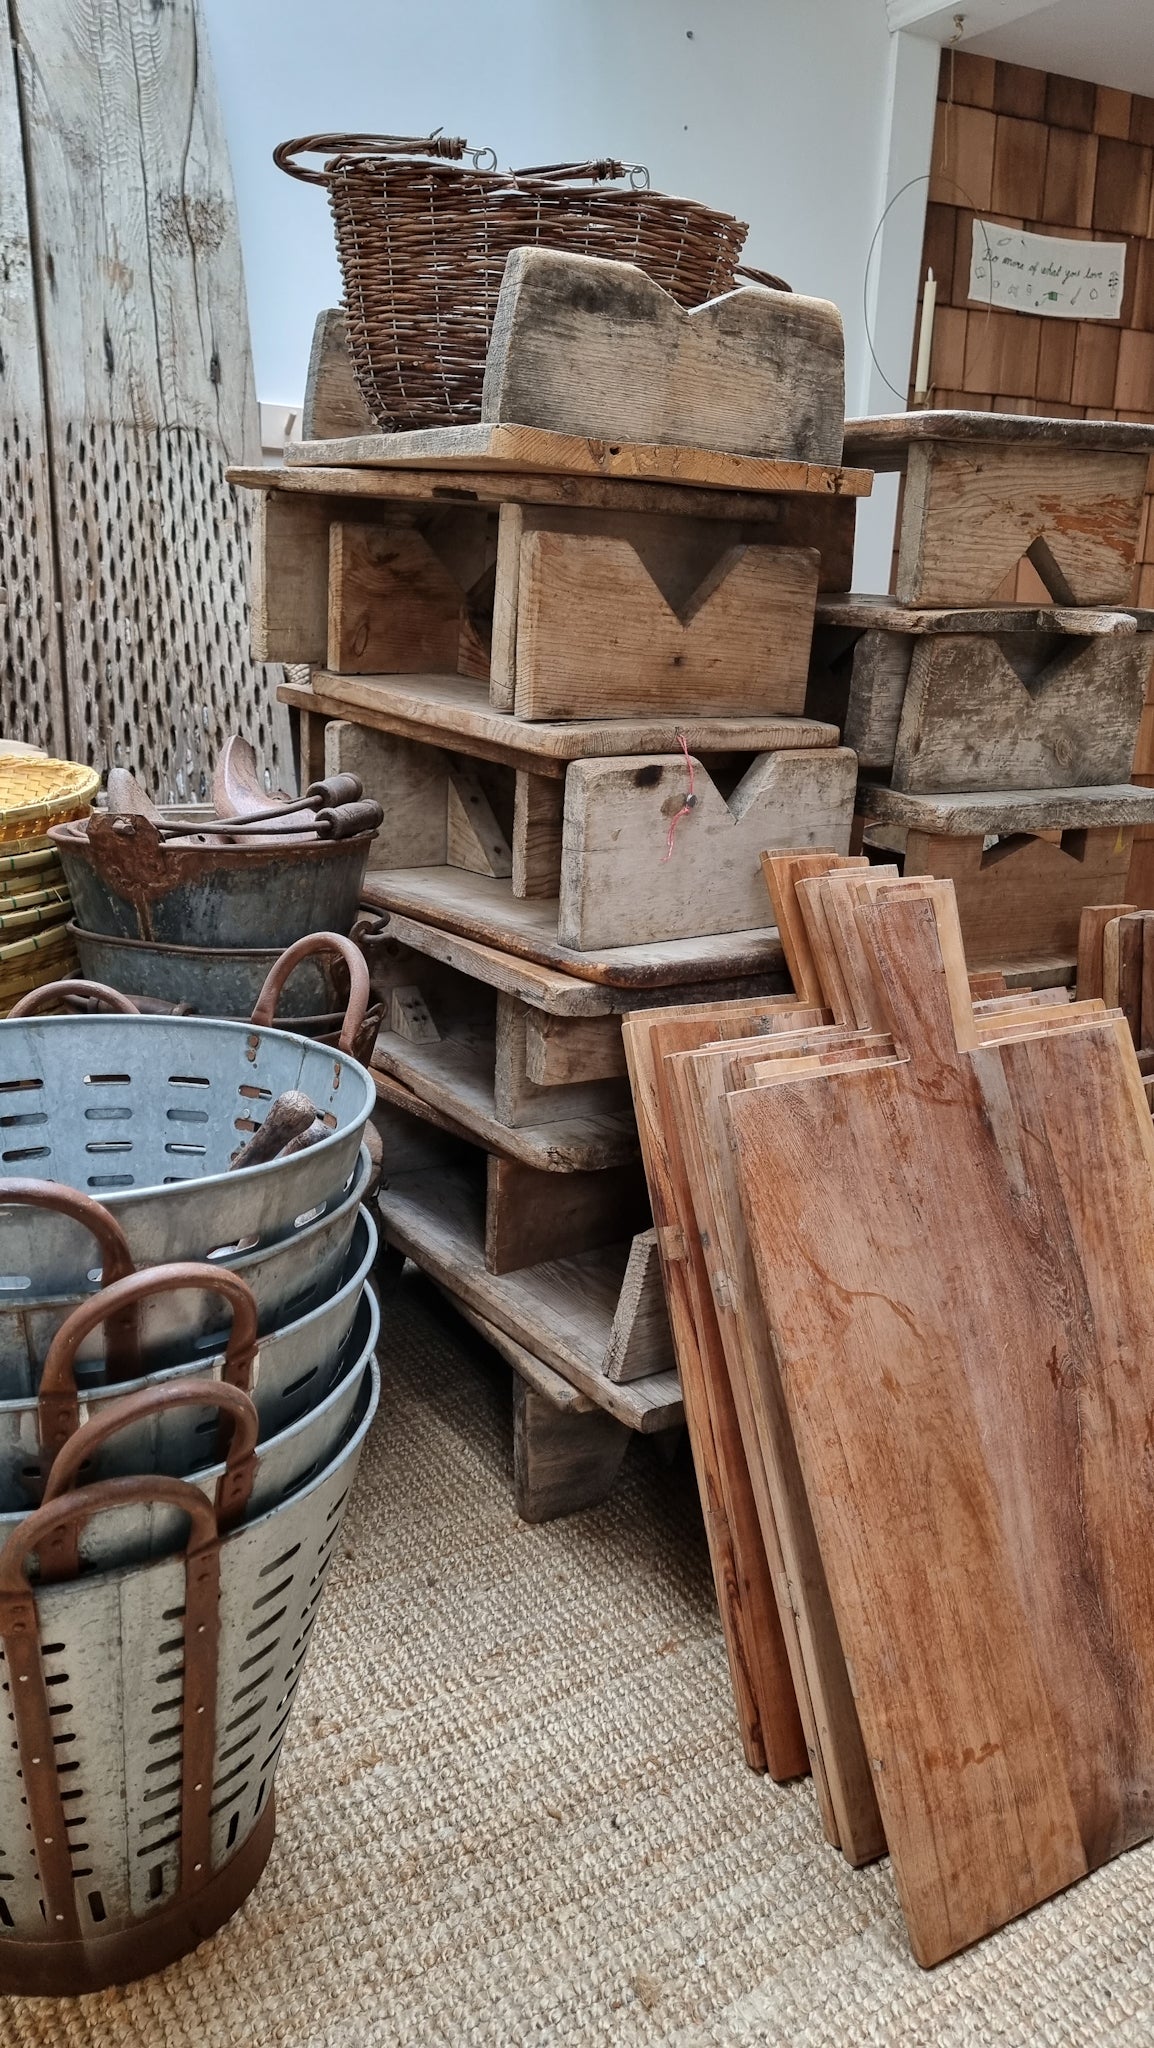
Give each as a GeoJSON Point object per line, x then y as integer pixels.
{"type": "Point", "coordinates": [926, 336]}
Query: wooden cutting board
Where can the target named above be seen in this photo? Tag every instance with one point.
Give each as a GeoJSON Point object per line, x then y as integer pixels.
{"type": "Point", "coordinates": [954, 1249]}
{"type": "Point", "coordinates": [764, 1662]}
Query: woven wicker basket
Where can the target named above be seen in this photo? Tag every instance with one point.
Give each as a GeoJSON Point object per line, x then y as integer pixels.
{"type": "Point", "coordinates": [423, 242]}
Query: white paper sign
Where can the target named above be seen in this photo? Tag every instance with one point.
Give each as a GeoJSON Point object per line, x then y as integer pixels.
{"type": "Point", "coordinates": [1046, 273]}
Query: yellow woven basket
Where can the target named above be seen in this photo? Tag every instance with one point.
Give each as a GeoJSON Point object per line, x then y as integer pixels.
{"type": "Point", "coordinates": [35, 794]}
{"type": "Point", "coordinates": [29, 864]}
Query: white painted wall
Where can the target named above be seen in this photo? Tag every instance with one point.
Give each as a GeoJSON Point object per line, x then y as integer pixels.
{"type": "Point", "coordinates": [777, 110]}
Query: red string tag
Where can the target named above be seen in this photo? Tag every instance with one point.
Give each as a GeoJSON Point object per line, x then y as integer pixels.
{"type": "Point", "coordinates": [687, 806]}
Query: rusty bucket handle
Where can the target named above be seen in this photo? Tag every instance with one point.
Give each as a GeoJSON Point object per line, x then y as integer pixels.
{"type": "Point", "coordinates": [235, 1484]}
{"type": "Point", "coordinates": [45, 1529]}
{"type": "Point", "coordinates": [264, 1010]}
{"type": "Point", "coordinates": [58, 1403]}
{"type": "Point", "coordinates": [52, 991]}
{"type": "Point", "coordinates": [122, 1344]}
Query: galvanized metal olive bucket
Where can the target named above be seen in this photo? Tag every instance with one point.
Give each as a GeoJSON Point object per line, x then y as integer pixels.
{"type": "Point", "coordinates": [149, 1704]}
{"type": "Point", "coordinates": [146, 1114]}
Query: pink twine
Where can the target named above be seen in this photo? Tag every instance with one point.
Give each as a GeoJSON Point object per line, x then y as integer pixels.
{"type": "Point", "coordinates": [687, 806]}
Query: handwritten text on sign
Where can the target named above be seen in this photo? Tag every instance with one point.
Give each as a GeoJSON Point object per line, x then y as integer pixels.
{"type": "Point", "coordinates": [1046, 273]}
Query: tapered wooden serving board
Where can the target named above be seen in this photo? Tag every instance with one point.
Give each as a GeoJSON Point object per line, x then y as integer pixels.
{"type": "Point", "coordinates": [955, 1250]}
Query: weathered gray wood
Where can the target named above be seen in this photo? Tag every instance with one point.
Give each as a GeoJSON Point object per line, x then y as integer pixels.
{"type": "Point", "coordinates": [1005, 811]}
{"type": "Point", "coordinates": [408, 780]}
{"type": "Point", "coordinates": [640, 1341]}
{"type": "Point", "coordinates": [451, 1084]}
{"type": "Point", "coordinates": [881, 442]}
{"type": "Point", "coordinates": [572, 1048]}
{"type": "Point", "coordinates": [970, 514]}
{"type": "Point", "coordinates": [581, 345]}
{"type": "Point", "coordinates": [538, 816]}
{"type": "Point", "coordinates": [561, 1311]}
{"type": "Point", "coordinates": [532, 1216]}
{"type": "Point", "coordinates": [474, 839]}
{"type": "Point", "coordinates": [623, 882]}
{"type": "Point", "coordinates": [1019, 711]}
{"type": "Point", "coordinates": [449, 711]}
{"type": "Point", "coordinates": [562, 1463]}
{"type": "Point", "coordinates": [530, 450]}
{"type": "Point", "coordinates": [811, 519]}
{"type": "Point", "coordinates": [862, 611]}
{"type": "Point", "coordinates": [877, 689]}
{"type": "Point", "coordinates": [478, 907]}
{"type": "Point", "coordinates": [148, 383]}
{"type": "Point", "coordinates": [520, 1101]}
{"type": "Point", "coordinates": [551, 992]}
{"type": "Point", "coordinates": [332, 403]}
{"type": "Point", "coordinates": [33, 691]}
{"type": "Point", "coordinates": [540, 1378]}
{"type": "Point", "coordinates": [1023, 899]}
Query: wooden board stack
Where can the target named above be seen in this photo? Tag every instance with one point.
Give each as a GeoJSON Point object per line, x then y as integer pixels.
{"type": "Point", "coordinates": [927, 1406]}
{"type": "Point", "coordinates": [996, 740]}
{"type": "Point", "coordinates": [567, 649]}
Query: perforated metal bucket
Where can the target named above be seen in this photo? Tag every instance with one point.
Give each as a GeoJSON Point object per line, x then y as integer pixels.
{"type": "Point", "coordinates": [150, 1705]}
{"type": "Point", "coordinates": [288, 1278]}
{"type": "Point", "coordinates": [294, 1370]}
{"type": "Point", "coordinates": [145, 1113]}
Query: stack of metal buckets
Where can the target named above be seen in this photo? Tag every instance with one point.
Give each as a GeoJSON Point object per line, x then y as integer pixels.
{"type": "Point", "coordinates": [187, 1374]}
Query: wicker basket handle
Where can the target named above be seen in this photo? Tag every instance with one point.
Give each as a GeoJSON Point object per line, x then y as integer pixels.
{"type": "Point", "coordinates": [51, 992]}
{"type": "Point", "coordinates": [264, 1010]}
{"type": "Point", "coordinates": [122, 1341]}
{"type": "Point", "coordinates": [765, 277]}
{"type": "Point", "coordinates": [596, 168]}
{"type": "Point", "coordinates": [452, 146]}
{"type": "Point", "coordinates": [58, 1405]}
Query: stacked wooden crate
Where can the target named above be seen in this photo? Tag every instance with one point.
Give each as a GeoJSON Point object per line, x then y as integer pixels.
{"type": "Point", "coordinates": [996, 741]}
{"type": "Point", "coordinates": [567, 650]}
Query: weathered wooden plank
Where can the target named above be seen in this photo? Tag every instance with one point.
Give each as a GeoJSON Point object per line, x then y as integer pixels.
{"type": "Point", "coordinates": [561, 1311]}
{"type": "Point", "coordinates": [521, 1101]}
{"type": "Point", "coordinates": [882, 442]}
{"type": "Point", "coordinates": [481, 908]}
{"type": "Point", "coordinates": [393, 607]}
{"type": "Point", "coordinates": [767, 1674]}
{"type": "Point", "coordinates": [561, 1049]}
{"type": "Point", "coordinates": [630, 874]}
{"type": "Point", "coordinates": [585, 346]}
{"type": "Point", "coordinates": [562, 1463]}
{"type": "Point", "coordinates": [863, 611]}
{"type": "Point", "coordinates": [538, 814]}
{"type": "Point", "coordinates": [34, 694]}
{"type": "Point", "coordinates": [450, 711]}
{"type": "Point", "coordinates": [529, 449]}
{"type": "Point", "coordinates": [695, 1084]}
{"type": "Point", "coordinates": [1091, 926]}
{"type": "Point", "coordinates": [1024, 897]}
{"type": "Point", "coordinates": [877, 691]}
{"type": "Point", "coordinates": [474, 839]}
{"type": "Point", "coordinates": [547, 990]}
{"type": "Point", "coordinates": [333, 405]}
{"type": "Point", "coordinates": [969, 516]}
{"type": "Point", "coordinates": [605, 630]}
{"type": "Point", "coordinates": [1007, 811]}
{"type": "Point", "coordinates": [1020, 711]}
{"type": "Point", "coordinates": [640, 1341]}
{"type": "Point", "coordinates": [532, 1216]}
{"type": "Point", "coordinates": [408, 780]}
{"type": "Point", "coordinates": [805, 520]}
{"type": "Point", "coordinates": [148, 384]}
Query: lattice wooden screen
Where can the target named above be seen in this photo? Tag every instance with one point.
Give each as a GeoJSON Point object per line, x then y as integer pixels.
{"type": "Point", "coordinates": [126, 390]}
